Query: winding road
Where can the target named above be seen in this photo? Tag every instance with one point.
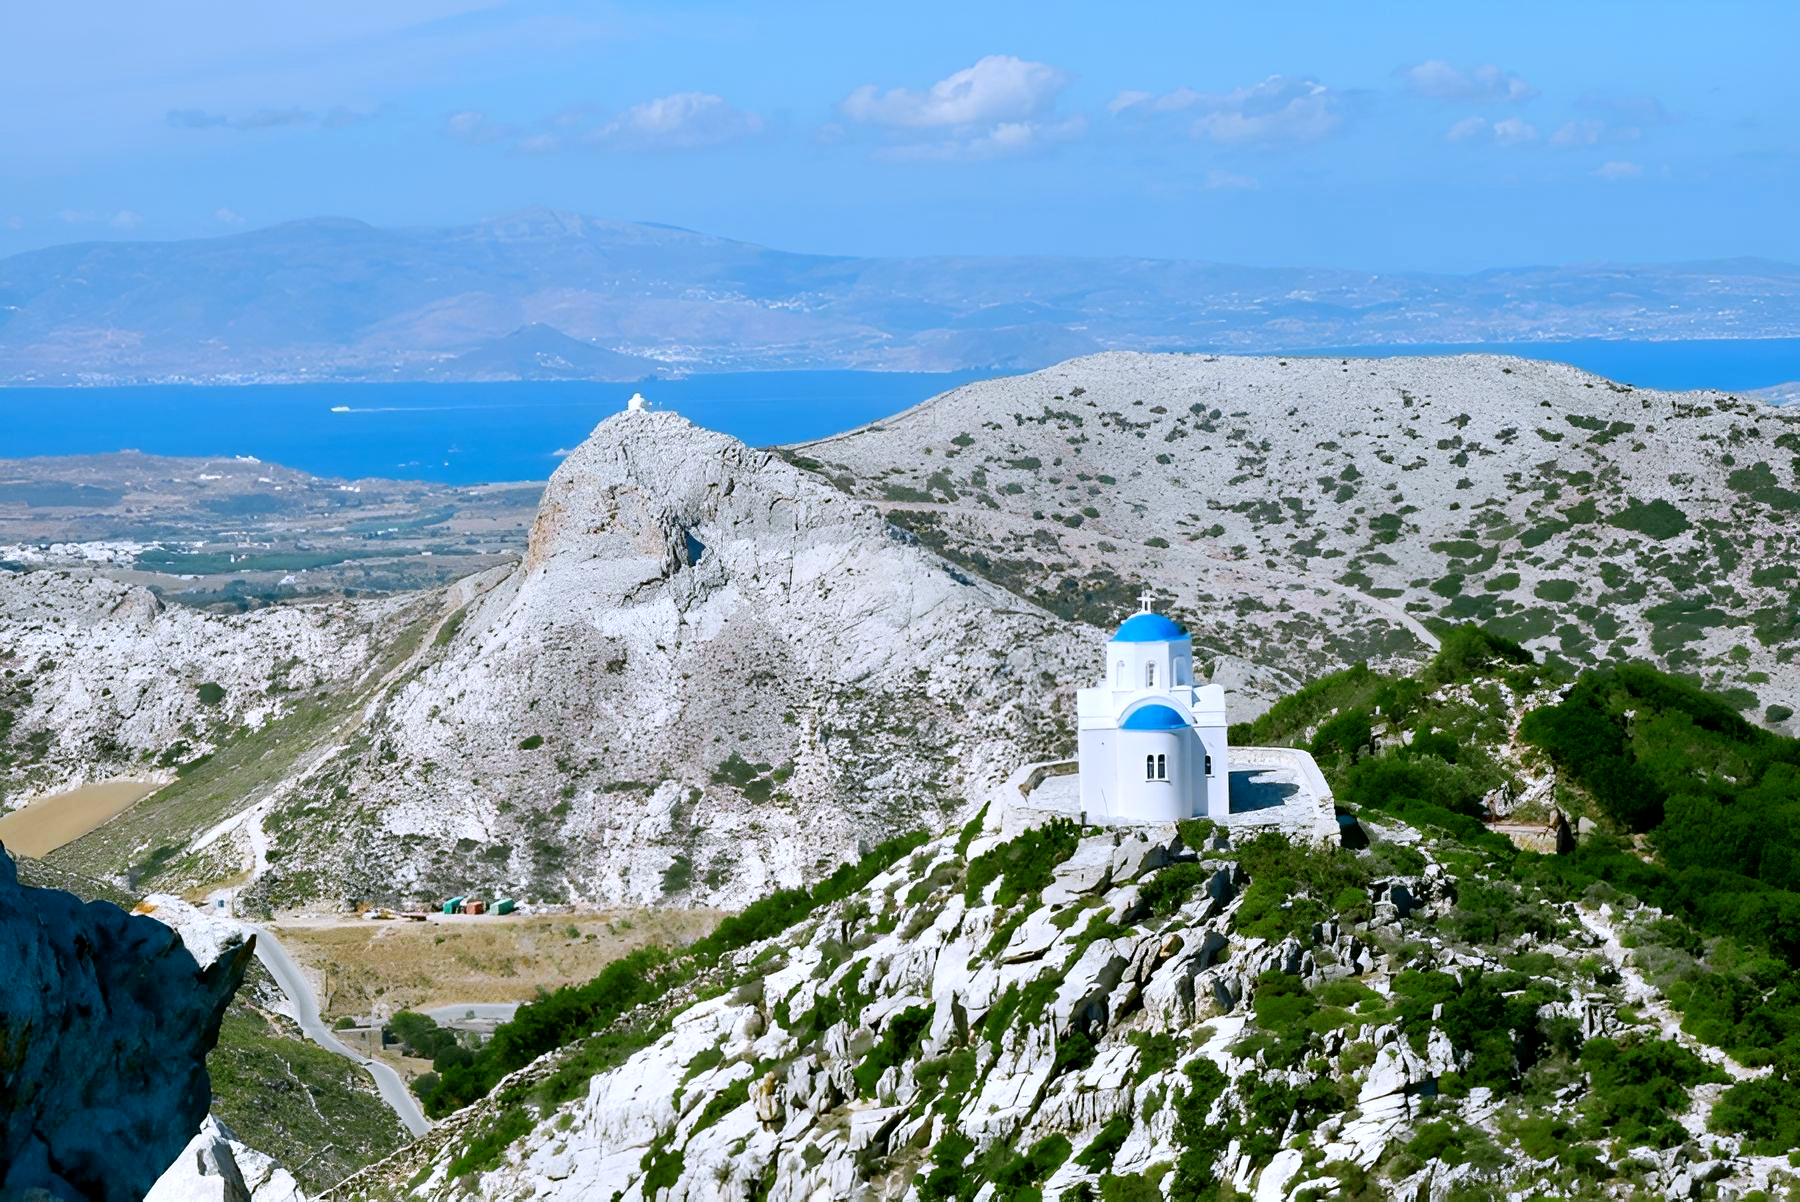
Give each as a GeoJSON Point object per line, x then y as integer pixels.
{"type": "Point", "coordinates": [287, 974]}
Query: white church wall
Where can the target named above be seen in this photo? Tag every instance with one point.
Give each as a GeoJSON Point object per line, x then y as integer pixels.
{"type": "Point", "coordinates": [1098, 790]}
{"type": "Point", "coordinates": [1146, 800]}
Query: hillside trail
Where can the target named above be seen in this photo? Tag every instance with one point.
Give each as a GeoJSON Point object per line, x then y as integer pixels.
{"type": "Point", "coordinates": [1004, 522]}
{"type": "Point", "coordinates": [250, 816]}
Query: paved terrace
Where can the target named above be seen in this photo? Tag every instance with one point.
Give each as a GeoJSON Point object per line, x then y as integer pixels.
{"type": "Point", "coordinates": [1272, 789]}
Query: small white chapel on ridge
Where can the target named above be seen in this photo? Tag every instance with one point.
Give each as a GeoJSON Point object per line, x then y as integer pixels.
{"type": "Point", "coordinates": [1151, 743]}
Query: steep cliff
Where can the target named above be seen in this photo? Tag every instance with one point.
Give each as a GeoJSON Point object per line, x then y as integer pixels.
{"type": "Point", "coordinates": [105, 1023]}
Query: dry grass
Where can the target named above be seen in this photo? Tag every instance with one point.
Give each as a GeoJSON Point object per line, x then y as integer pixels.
{"type": "Point", "coordinates": [362, 967]}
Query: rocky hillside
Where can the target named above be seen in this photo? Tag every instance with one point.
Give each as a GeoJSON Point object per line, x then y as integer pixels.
{"type": "Point", "coordinates": [711, 673]}
{"type": "Point", "coordinates": [99, 679]}
{"type": "Point", "coordinates": [1081, 1014]}
{"type": "Point", "coordinates": [1309, 512]}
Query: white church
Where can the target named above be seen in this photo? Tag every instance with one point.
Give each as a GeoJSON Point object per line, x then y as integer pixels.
{"type": "Point", "coordinates": [1151, 743]}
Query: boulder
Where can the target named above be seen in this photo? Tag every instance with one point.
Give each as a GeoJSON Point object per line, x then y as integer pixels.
{"type": "Point", "coordinates": [106, 1020]}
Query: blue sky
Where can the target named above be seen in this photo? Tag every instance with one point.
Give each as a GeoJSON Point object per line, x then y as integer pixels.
{"type": "Point", "coordinates": [1381, 136]}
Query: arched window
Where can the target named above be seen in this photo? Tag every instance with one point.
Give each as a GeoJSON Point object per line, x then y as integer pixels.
{"type": "Point", "coordinates": [1209, 765]}
{"type": "Point", "coordinates": [1181, 676]}
{"type": "Point", "coordinates": [1162, 767]}
{"type": "Point", "coordinates": [1149, 767]}
{"type": "Point", "coordinates": [1150, 675]}
{"type": "Point", "coordinates": [1119, 675]}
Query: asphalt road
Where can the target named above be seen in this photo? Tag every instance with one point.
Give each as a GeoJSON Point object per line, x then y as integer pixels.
{"type": "Point", "coordinates": [287, 974]}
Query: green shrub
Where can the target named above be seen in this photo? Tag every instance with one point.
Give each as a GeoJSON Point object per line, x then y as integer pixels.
{"type": "Point", "coordinates": [1658, 519]}
{"type": "Point", "coordinates": [1024, 865]}
{"type": "Point", "coordinates": [1098, 1156]}
{"type": "Point", "coordinates": [531, 742]}
{"type": "Point", "coordinates": [899, 1040]}
{"type": "Point", "coordinates": [1171, 887]}
{"type": "Point", "coordinates": [1765, 1111]}
{"type": "Point", "coordinates": [1638, 1088]}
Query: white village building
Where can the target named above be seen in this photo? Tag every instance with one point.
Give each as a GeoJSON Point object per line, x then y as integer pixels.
{"type": "Point", "coordinates": [1151, 743]}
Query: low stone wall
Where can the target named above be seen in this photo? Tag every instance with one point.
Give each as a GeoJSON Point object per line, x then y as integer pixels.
{"type": "Point", "coordinates": [1309, 816]}
{"type": "Point", "coordinates": [1036, 793]}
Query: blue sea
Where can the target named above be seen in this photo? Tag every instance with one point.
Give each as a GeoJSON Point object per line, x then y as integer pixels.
{"type": "Point", "coordinates": [473, 433]}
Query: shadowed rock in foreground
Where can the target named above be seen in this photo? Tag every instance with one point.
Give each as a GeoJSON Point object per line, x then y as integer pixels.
{"type": "Point", "coordinates": [105, 1023]}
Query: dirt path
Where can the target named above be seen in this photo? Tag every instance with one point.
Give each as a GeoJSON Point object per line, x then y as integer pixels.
{"type": "Point", "coordinates": [250, 816]}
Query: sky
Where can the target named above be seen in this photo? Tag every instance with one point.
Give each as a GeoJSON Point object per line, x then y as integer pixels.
{"type": "Point", "coordinates": [1373, 136]}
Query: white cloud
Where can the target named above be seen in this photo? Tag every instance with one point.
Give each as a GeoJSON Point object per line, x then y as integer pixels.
{"type": "Point", "coordinates": [336, 117]}
{"type": "Point", "coordinates": [227, 217]}
{"type": "Point", "coordinates": [1615, 119]}
{"type": "Point", "coordinates": [121, 219]}
{"type": "Point", "coordinates": [1618, 169]}
{"type": "Point", "coordinates": [1508, 131]}
{"type": "Point", "coordinates": [1440, 80]}
{"type": "Point", "coordinates": [1130, 98]}
{"type": "Point", "coordinates": [1000, 106]}
{"type": "Point", "coordinates": [15, 222]}
{"type": "Point", "coordinates": [1467, 128]}
{"type": "Point", "coordinates": [1006, 138]}
{"type": "Point", "coordinates": [1277, 109]}
{"type": "Point", "coordinates": [1578, 133]}
{"type": "Point", "coordinates": [1512, 131]}
{"type": "Point", "coordinates": [998, 90]}
{"type": "Point", "coordinates": [1222, 181]}
{"type": "Point", "coordinates": [682, 121]}
{"type": "Point", "coordinates": [471, 125]}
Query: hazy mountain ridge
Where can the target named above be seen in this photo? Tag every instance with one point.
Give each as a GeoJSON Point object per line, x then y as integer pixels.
{"type": "Point", "coordinates": [333, 298]}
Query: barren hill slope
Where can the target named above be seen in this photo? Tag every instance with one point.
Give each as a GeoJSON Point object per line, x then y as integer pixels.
{"type": "Point", "coordinates": [711, 673]}
{"type": "Point", "coordinates": [1309, 511]}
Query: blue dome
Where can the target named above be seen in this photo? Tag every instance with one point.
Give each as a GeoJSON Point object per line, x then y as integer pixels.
{"type": "Point", "coordinates": [1154, 717]}
{"type": "Point", "coordinates": [1149, 628]}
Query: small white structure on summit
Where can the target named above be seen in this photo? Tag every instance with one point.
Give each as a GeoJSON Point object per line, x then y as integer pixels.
{"type": "Point", "coordinates": [637, 403]}
{"type": "Point", "coordinates": [1151, 744]}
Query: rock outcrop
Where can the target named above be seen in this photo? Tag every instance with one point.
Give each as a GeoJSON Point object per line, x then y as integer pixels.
{"type": "Point", "coordinates": [1144, 1008]}
{"type": "Point", "coordinates": [712, 673]}
{"type": "Point", "coordinates": [105, 1023]}
{"type": "Point", "coordinates": [99, 678]}
{"type": "Point", "coordinates": [216, 1166]}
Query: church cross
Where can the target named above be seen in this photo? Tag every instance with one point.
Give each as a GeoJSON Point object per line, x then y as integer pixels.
{"type": "Point", "coordinates": [1144, 600]}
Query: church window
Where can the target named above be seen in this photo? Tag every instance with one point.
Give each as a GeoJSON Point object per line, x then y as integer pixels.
{"type": "Point", "coordinates": [1181, 671]}
{"type": "Point", "coordinates": [1162, 767]}
{"type": "Point", "coordinates": [1149, 767]}
{"type": "Point", "coordinates": [1209, 765]}
{"type": "Point", "coordinates": [1150, 676]}
{"type": "Point", "coordinates": [1119, 675]}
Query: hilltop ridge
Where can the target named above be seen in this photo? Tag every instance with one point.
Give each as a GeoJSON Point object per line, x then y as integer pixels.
{"type": "Point", "coordinates": [1310, 512]}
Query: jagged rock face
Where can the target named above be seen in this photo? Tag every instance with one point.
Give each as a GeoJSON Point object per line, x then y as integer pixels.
{"type": "Point", "coordinates": [926, 1028]}
{"type": "Point", "coordinates": [105, 1023]}
{"type": "Point", "coordinates": [94, 675]}
{"type": "Point", "coordinates": [711, 673]}
{"type": "Point", "coordinates": [217, 1167]}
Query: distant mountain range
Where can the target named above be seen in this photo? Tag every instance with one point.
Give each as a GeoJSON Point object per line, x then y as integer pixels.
{"type": "Point", "coordinates": [547, 295]}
